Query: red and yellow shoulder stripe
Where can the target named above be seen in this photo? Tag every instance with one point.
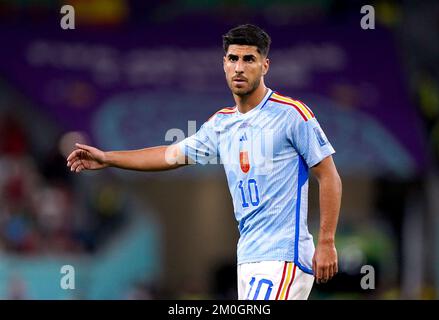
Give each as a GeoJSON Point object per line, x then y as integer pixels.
{"type": "Point", "coordinates": [228, 110]}
{"type": "Point", "coordinates": [302, 108]}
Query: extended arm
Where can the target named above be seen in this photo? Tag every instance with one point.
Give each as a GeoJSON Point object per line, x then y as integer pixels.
{"type": "Point", "coordinates": [148, 159]}
{"type": "Point", "coordinates": [325, 264]}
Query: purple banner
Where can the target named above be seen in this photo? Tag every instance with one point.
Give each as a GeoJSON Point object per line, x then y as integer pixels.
{"type": "Point", "coordinates": [125, 88]}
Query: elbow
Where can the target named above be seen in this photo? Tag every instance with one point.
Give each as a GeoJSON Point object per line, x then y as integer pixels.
{"type": "Point", "coordinates": [332, 179]}
{"type": "Point", "coordinates": [335, 179]}
{"type": "Point", "coordinates": [338, 182]}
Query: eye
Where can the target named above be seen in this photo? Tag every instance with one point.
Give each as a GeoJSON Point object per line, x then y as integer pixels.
{"type": "Point", "coordinates": [249, 59]}
{"type": "Point", "coordinates": [233, 58]}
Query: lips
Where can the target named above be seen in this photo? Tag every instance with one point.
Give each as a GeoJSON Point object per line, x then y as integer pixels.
{"type": "Point", "coordinates": [239, 80]}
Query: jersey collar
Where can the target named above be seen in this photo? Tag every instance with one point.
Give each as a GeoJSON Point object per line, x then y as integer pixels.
{"type": "Point", "coordinates": [258, 107]}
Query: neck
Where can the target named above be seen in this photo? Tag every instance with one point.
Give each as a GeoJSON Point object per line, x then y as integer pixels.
{"type": "Point", "coordinates": [248, 102]}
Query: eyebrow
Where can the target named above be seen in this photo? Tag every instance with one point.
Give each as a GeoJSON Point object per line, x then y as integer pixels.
{"type": "Point", "coordinates": [247, 56]}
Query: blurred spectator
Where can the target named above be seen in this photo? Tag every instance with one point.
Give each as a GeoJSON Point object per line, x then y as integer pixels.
{"type": "Point", "coordinates": [38, 212]}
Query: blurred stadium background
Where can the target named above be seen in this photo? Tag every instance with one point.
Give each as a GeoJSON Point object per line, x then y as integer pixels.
{"type": "Point", "coordinates": [132, 70]}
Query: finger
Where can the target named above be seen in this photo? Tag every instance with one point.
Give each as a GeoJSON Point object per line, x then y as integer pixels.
{"type": "Point", "coordinates": [75, 165]}
{"type": "Point", "coordinates": [73, 154]}
{"type": "Point", "coordinates": [336, 268]}
{"type": "Point", "coordinates": [325, 274]}
{"type": "Point", "coordinates": [321, 274]}
{"type": "Point", "coordinates": [71, 161]}
{"type": "Point", "coordinates": [80, 168]}
{"type": "Point", "coordinates": [318, 274]}
{"type": "Point", "coordinates": [82, 146]}
{"type": "Point", "coordinates": [78, 155]}
{"type": "Point", "coordinates": [331, 272]}
{"type": "Point", "coordinates": [314, 268]}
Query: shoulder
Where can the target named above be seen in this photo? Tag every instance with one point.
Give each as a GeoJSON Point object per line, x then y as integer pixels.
{"type": "Point", "coordinates": [292, 107]}
{"type": "Point", "coordinates": [224, 112]}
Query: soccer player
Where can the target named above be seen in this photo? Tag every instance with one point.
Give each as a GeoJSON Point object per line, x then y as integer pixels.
{"type": "Point", "coordinates": [267, 144]}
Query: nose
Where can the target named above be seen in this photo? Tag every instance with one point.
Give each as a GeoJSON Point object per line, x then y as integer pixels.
{"type": "Point", "coordinates": [239, 67]}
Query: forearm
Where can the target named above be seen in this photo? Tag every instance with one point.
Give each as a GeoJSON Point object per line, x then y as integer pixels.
{"type": "Point", "coordinates": [330, 191]}
{"type": "Point", "coordinates": [148, 159]}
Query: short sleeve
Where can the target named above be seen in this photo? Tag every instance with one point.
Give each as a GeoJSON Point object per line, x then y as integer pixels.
{"type": "Point", "coordinates": [202, 146]}
{"type": "Point", "coordinates": [308, 139]}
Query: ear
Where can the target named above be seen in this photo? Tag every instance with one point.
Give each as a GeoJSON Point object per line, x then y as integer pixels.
{"type": "Point", "coordinates": [265, 66]}
{"type": "Point", "coordinates": [224, 64]}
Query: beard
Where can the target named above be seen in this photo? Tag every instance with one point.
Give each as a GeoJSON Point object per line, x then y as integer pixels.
{"type": "Point", "coordinates": [248, 89]}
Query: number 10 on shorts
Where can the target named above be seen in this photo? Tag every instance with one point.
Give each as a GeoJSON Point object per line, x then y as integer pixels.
{"type": "Point", "coordinates": [261, 285]}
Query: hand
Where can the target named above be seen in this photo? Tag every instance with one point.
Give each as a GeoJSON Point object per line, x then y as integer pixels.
{"type": "Point", "coordinates": [86, 157]}
{"type": "Point", "coordinates": [324, 262]}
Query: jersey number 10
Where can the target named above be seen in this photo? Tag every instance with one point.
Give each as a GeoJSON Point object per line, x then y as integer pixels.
{"type": "Point", "coordinates": [253, 193]}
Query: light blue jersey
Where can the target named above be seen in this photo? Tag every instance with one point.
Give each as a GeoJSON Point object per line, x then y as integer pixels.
{"type": "Point", "coordinates": [266, 154]}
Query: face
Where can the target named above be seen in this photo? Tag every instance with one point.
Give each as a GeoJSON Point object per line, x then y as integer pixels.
{"type": "Point", "coordinates": [244, 67]}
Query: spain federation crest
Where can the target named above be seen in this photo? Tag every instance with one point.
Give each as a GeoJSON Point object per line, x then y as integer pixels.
{"type": "Point", "coordinates": [244, 161]}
